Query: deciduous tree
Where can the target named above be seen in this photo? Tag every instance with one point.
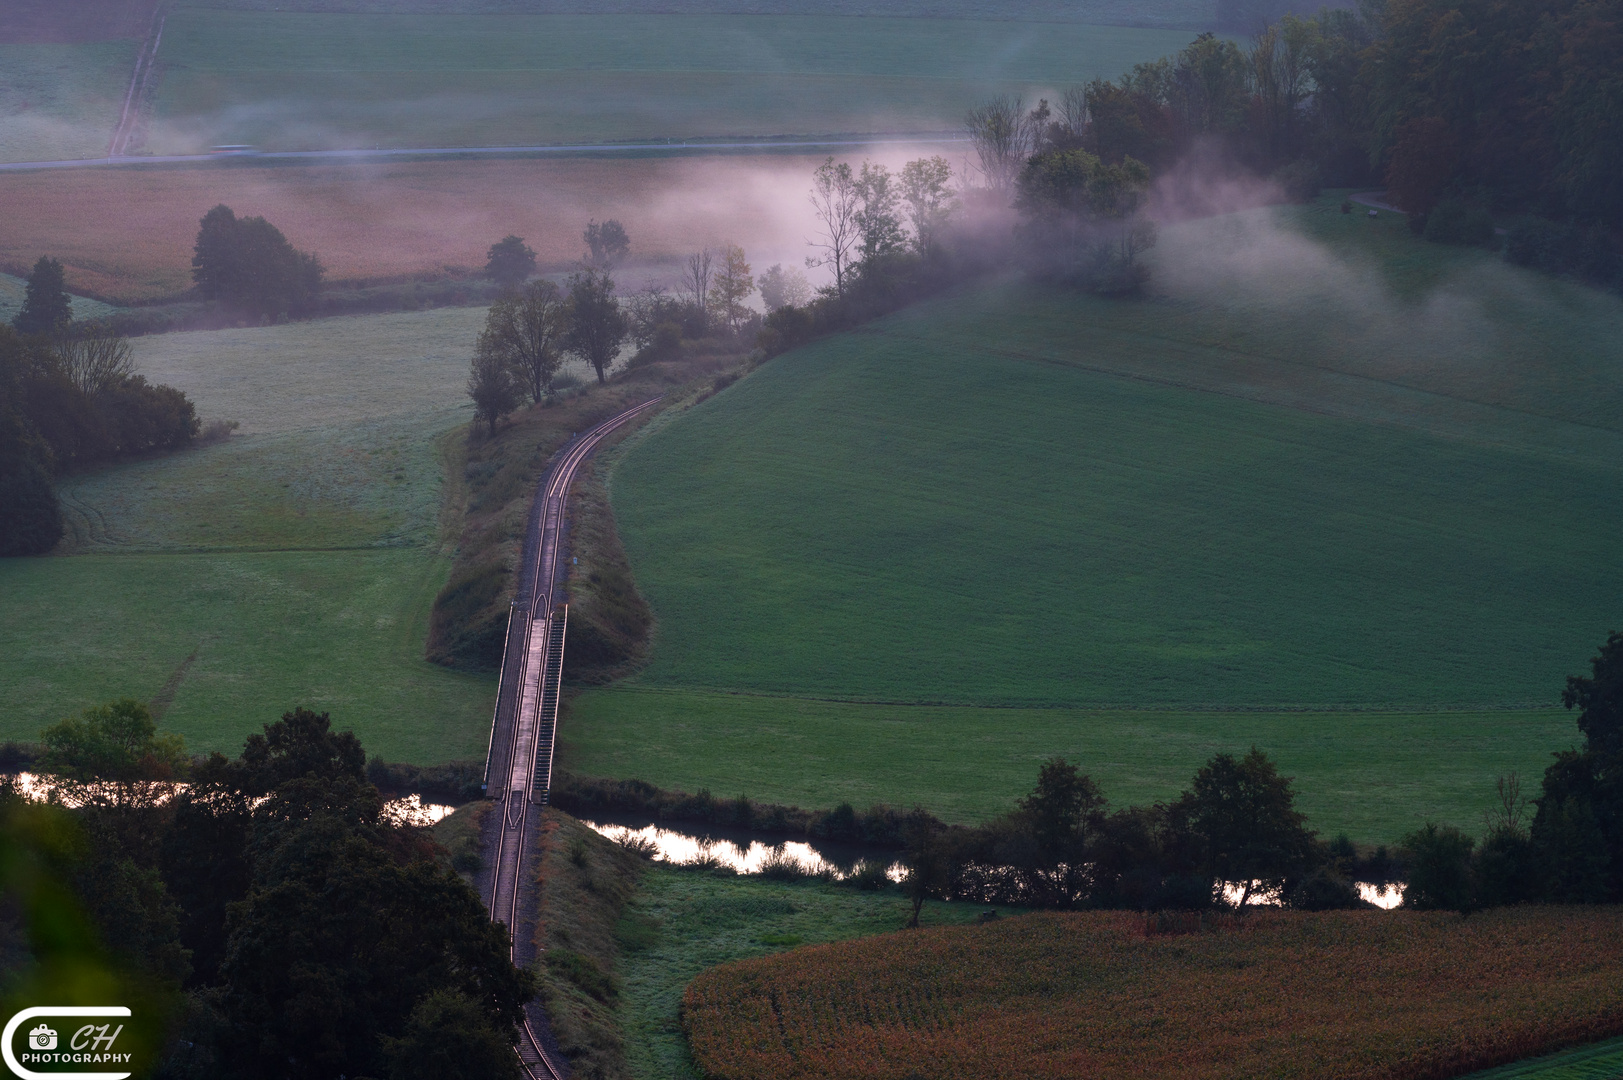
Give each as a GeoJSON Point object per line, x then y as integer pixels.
{"type": "Point", "coordinates": [606, 244]}
{"type": "Point", "coordinates": [248, 264]}
{"type": "Point", "coordinates": [927, 190]}
{"type": "Point", "coordinates": [733, 285]}
{"type": "Point", "coordinates": [597, 326]}
{"type": "Point", "coordinates": [837, 201]}
{"type": "Point", "coordinates": [509, 262]}
{"type": "Point", "coordinates": [525, 330]}
{"type": "Point", "coordinates": [493, 386]}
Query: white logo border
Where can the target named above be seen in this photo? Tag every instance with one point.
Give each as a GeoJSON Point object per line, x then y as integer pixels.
{"type": "Point", "coordinates": [61, 1010]}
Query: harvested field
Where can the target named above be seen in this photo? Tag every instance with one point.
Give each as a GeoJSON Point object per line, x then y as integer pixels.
{"type": "Point", "coordinates": [1290, 995]}
{"type": "Point", "coordinates": [381, 220]}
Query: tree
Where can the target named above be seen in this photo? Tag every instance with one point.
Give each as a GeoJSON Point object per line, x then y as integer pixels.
{"type": "Point", "coordinates": [118, 741]}
{"type": "Point", "coordinates": [449, 1038]}
{"type": "Point", "coordinates": [524, 330]}
{"type": "Point", "coordinates": [878, 219]}
{"type": "Point", "coordinates": [1578, 828]}
{"type": "Point", "coordinates": [606, 245]}
{"type": "Point", "coordinates": [95, 359]}
{"type": "Point", "coordinates": [1425, 159]}
{"type": "Point", "coordinates": [696, 285]}
{"type": "Point", "coordinates": [1439, 869]}
{"type": "Point", "coordinates": [597, 326]}
{"type": "Point", "coordinates": [783, 288]}
{"type": "Point", "coordinates": [928, 860]}
{"type": "Point", "coordinates": [1061, 814]}
{"type": "Point", "coordinates": [927, 190]}
{"type": "Point", "coordinates": [493, 385]}
{"type": "Point", "coordinates": [732, 286]}
{"type": "Point", "coordinates": [1082, 219]}
{"type": "Point", "coordinates": [30, 516]}
{"type": "Point", "coordinates": [1239, 823]}
{"type": "Point", "coordinates": [248, 264]}
{"type": "Point", "coordinates": [1002, 139]}
{"type": "Point", "coordinates": [509, 262]}
{"type": "Point", "coordinates": [337, 943]}
{"type": "Point", "coordinates": [836, 200]}
{"type": "Point", "coordinates": [46, 308]}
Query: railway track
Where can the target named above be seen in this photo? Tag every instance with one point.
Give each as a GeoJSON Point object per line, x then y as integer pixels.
{"type": "Point", "coordinates": [518, 762]}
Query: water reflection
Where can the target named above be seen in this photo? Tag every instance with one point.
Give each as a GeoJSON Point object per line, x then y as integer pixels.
{"type": "Point", "coordinates": [39, 787]}
{"type": "Point", "coordinates": [743, 855]}
{"type": "Point", "coordinates": [1385, 897]}
{"type": "Point", "coordinates": [746, 855]}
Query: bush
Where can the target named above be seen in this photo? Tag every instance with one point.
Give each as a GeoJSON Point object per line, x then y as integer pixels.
{"type": "Point", "coordinates": [30, 517]}
{"type": "Point", "coordinates": [1300, 181]}
{"type": "Point", "coordinates": [1454, 222]}
{"type": "Point", "coordinates": [1565, 249]}
{"type": "Point", "coordinates": [870, 875]}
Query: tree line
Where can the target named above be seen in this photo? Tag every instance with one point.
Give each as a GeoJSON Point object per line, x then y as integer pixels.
{"type": "Point", "coordinates": [69, 398]}
{"type": "Point", "coordinates": [266, 920]}
{"type": "Point", "coordinates": [535, 324]}
{"type": "Point", "coordinates": [1236, 833]}
{"type": "Point", "coordinates": [1458, 107]}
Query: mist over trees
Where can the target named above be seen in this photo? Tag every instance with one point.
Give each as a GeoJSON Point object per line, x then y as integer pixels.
{"type": "Point", "coordinates": [247, 264]}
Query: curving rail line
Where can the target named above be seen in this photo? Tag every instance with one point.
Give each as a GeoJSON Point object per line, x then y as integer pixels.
{"type": "Point", "coordinates": [518, 763]}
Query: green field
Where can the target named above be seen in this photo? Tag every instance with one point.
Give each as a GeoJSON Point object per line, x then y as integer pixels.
{"type": "Point", "coordinates": [1601, 1061]}
{"type": "Point", "coordinates": [1371, 475]}
{"type": "Point", "coordinates": [61, 102]}
{"type": "Point", "coordinates": [293, 565]}
{"type": "Point", "coordinates": [296, 80]}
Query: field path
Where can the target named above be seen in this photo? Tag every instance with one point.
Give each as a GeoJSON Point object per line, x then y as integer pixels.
{"type": "Point", "coordinates": [140, 79]}
{"type": "Point", "coordinates": [518, 764]}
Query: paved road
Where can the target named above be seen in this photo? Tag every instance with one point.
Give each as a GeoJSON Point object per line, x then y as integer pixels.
{"type": "Point", "coordinates": [666, 146]}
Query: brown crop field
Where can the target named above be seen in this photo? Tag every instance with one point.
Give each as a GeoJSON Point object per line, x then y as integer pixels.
{"type": "Point", "coordinates": [126, 234]}
{"type": "Point", "coordinates": [1401, 995]}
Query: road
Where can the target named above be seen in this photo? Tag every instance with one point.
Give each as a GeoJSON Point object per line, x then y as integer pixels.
{"type": "Point", "coordinates": [518, 763]}
{"type": "Point", "coordinates": [664, 146]}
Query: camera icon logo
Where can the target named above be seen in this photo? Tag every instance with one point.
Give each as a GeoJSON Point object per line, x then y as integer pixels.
{"type": "Point", "coordinates": [42, 1038]}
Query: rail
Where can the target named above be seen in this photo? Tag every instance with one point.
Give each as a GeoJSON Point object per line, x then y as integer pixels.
{"type": "Point", "coordinates": [518, 761]}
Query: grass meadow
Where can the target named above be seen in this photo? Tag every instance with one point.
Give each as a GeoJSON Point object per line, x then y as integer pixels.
{"type": "Point", "coordinates": [59, 100]}
{"type": "Point", "coordinates": [288, 80]}
{"type": "Point", "coordinates": [1373, 774]}
{"type": "Point", "coordinates": [1387, 504]}
{"type": "Point", "coordinates": [1399, 995]}
{"type": "Point", "coordinates": [292, 565]}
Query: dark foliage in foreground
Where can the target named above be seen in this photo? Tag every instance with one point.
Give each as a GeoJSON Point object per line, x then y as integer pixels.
{"type": "Point", "coordinates": [290, 928]}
